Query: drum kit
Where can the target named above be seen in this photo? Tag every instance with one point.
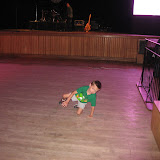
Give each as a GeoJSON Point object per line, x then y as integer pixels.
{"type": "Point", "coordinates": [50, 15]}
{"type": "Point", "coordinates": [56, 1]}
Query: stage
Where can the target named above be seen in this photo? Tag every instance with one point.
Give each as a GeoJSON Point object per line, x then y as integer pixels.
{"type": "Point", "coordinates": [77, 45]}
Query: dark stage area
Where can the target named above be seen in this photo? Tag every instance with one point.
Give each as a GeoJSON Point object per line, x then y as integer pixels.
{"type": "Point", "coordinates": [111, 16]}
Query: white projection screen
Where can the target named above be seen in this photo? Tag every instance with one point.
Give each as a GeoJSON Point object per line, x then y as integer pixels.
{"type": "Point", "coordinates": [146, 7]}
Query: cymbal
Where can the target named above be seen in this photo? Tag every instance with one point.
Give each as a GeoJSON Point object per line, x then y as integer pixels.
{"type": "Point", "coordinates": [56, 1]}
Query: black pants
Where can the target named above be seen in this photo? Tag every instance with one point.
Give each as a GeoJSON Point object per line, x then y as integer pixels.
{"type": "Point", "coordinates": [69, 24]}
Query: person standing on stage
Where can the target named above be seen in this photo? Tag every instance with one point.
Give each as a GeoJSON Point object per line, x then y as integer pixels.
{"type": "Point", "coordinates": [69, 17]}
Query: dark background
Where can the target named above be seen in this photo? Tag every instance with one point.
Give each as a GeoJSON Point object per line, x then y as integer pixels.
{"type": "Point", "coordinates": [116, 14]}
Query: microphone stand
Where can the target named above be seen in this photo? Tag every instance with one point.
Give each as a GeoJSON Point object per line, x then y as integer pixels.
{"type": "Point", "coordinates": [16, 15]}
{"type": "Point", "coordinates": [36, 20]}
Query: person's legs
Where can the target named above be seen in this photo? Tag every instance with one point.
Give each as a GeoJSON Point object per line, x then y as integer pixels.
{"type": "Point", "coordinates": [65, 96]}
{"type": "Point", "coordinates": [81, 107]}
{"type": "Point", "coordinates": [79, 111]}
{"type": "Point", "coordinates": [69, 24]}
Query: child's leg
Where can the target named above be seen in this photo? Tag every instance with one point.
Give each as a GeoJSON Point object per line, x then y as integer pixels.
{"type": "Point", "coordinates": [65, 96]}
{"type": "Point", "coordinates": [81, 107]}
{"type": "Point", "coordinates": [79, 111]}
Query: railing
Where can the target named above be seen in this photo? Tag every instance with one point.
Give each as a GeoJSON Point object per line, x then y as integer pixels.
{"type": "Point", "coordinates": [150, 77]}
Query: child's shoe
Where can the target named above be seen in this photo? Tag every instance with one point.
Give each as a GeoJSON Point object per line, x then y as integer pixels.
{"type": "Point", "coordinates": [62, 100]}
{"type": "Point", "coordinates": [76, 106]}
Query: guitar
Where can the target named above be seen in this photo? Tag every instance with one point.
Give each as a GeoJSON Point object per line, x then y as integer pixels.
{"type": "Point", "coordinates": [88, 26]}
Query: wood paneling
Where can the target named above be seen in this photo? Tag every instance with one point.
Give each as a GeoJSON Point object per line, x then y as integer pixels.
{"type": "Point", "coordinates": [93, 44]}
{"type": "Point", "coordinates": [155, 123]}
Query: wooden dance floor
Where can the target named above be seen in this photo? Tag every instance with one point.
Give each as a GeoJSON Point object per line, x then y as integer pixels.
{"type": "Point", "coordinates": [34, 127]}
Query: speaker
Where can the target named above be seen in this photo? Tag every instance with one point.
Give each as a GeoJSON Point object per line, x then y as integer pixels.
{"type": "Point", "coordinates": [94, 25]}
{"type": "Point", "coordinates": [142, 45]}
{"type": "Point", "coordinates": [79, 25]}
{"type": "Point", "coordinates": [157, 47]}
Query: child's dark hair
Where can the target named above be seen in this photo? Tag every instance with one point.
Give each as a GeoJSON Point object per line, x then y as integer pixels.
{"type": "Point", "coordinates": [97, 83]}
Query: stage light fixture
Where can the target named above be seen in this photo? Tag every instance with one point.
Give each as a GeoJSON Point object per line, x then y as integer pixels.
{"type": "Point", "coordinates": [146, 7]}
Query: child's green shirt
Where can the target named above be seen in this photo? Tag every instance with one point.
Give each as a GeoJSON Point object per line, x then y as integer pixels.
{"type": "Point", "coordinates": [84, 98]}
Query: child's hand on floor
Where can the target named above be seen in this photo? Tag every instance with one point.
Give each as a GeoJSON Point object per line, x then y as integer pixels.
{"type": "Point", "coordinates": [65, 104]}
{"type": "Point", "coordinates": [90, 116]}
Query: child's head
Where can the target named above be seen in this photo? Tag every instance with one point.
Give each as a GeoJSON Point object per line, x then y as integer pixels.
{"type": "Point", "coordinates": [94, 87]}
{"type": "Point", "coordinates": [68, 5]}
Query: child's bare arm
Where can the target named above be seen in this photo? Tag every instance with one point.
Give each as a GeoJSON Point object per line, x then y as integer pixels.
{"type": "Point", "coordinates": [65, 104]}
{"type": "Point", "coordinates": [92, 111]}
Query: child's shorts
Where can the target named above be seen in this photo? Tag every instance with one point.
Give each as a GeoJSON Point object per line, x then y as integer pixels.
{"type": "Point", "coordinates": [80, 105]}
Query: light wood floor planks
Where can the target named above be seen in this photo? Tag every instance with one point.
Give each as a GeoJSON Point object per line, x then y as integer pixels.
{"type": "Point", "coordinates": [34, 127]}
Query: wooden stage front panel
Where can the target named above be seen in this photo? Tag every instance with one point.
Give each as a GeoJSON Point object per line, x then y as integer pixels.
{"type": "Point", "coordinates": [96, 45]}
